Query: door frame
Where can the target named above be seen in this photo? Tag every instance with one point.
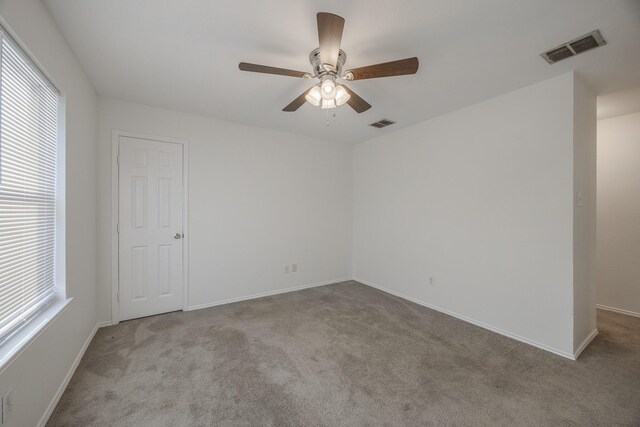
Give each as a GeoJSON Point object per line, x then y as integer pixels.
{"type": "Point", "coordinates": [115, 214]}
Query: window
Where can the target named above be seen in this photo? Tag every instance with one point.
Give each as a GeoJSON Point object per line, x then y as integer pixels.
{"type": "Point", "coordinates": [28, 147]}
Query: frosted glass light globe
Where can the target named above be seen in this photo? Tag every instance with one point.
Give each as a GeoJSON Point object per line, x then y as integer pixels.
{"type": "Point", "coordinates": [328, 103]}
{"type": "Point", "coordinates": [328, 89]}
{"type": "Point", "coordinates": [314, 96]}
{"type": "Point", "coordinates": [342, 95]}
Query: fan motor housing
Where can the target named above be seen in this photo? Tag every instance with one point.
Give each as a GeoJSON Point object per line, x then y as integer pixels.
{"type": "Point", "coordinates": [318, 66]}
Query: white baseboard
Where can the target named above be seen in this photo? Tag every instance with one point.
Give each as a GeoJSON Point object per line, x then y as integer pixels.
{"type": "Point", "coordinates": [264, 294]}
{"type": "Point", "coordinates": [585, 343]}
{"type": "Point", "coordinates": [104, 324]}
{"type": "Point", "coordinates": [472, 321]}
{"type": "Point", "coordinates": [618, 310]}
{"type": "Point", "coordinates": [67, 378]}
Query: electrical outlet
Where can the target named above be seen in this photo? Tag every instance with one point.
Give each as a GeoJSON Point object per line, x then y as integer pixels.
{"type": "Point", "coordinates": [294, 268]}
{"type": "Point", "coordinates": [432, 281]}
{"type": "Point", "coordinates": [286, 269]}
{"type": "Point", "coordinates": [6, 406]}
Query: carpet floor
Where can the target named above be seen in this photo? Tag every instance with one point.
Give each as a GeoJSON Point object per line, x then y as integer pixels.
{"type": "Point", "coordinates": [345, 355]}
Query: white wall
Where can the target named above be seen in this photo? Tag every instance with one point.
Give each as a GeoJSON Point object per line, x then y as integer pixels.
{"type": "Point", "coordinates": [481, 199]}
{"type": "Point", "coordinates": [618, 266]}
{"type": "Point", "coordinates": [38, 372]}
{"type": "Point", "coordinates": [258, 200]}
{"type": "Point", "coordinates": [584, 215]}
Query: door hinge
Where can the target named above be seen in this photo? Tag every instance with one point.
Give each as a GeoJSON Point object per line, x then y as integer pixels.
{"type": "Point", "coordinates": [118, 296]}
{"type": "Point", "coordinates": [118, 228]}
{"type": "Point", "coordinates": [118, 159]}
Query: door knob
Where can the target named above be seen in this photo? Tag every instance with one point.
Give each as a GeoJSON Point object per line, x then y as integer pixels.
{"type": "Point", "coordinates": [177, 236]}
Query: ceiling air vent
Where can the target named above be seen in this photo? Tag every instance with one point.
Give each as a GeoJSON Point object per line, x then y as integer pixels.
{"type": "Point", "coordinates": [382, 123]}
{"type": "Point", "coordinates": [574, 47]}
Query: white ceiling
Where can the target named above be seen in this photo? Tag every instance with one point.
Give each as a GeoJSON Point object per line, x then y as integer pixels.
{"type": "Point", "coordinates": [183, 54]}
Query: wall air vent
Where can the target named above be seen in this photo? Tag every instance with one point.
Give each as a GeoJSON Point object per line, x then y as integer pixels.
{"type": "Point", "coordinates": [382, 123]}
{"type": "Point", "coordinates": [574, 47]}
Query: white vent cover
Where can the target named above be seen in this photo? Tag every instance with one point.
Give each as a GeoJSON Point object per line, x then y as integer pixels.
{"type": "Point", "coordinates": [574, 47]}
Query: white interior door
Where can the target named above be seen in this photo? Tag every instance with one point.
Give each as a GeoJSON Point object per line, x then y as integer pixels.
{"type": "Point", "coordinates": [150, 227]}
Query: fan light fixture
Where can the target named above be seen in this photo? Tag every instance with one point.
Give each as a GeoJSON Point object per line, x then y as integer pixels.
{"type": "Point", "coordinates": [327, 94]}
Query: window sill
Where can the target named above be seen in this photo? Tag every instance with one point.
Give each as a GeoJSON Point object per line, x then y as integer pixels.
{"type": "Point", "coordinates": [22, 339]}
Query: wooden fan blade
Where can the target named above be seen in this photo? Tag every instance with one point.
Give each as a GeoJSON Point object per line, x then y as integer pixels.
{"type": "Point", "coordinates": [388, 69]}
{"type": "Point", "coordinates": [256, 68]}
{"type": "Point", "coordinates": [330, 28]}
{"type": "Point", "coordinates": [296, 103]}
{"type": "Point", "coordinates": [355, 102]}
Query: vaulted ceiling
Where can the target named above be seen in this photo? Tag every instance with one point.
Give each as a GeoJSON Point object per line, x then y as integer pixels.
{"type": "Point", "coordinates": [184, 54]}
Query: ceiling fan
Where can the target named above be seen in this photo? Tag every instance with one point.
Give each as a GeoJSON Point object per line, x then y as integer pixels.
{"type": "Point", "coordinates": [327, 62]}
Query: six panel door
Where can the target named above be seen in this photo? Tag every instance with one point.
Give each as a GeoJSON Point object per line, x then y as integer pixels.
{"type": "Point", "coordinates": [150, 227]}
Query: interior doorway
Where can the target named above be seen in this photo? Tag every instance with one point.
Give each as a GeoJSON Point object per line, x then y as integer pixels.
{"type": "Point", "coordinates": [150, 209]}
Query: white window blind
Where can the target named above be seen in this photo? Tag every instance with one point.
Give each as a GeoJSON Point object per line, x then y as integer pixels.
{"type": "Point", "coordinates": [28, 140]}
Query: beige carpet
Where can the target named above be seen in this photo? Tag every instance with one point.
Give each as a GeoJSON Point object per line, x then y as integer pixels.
{"type": "Point", "coordinates": [345, 355]}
